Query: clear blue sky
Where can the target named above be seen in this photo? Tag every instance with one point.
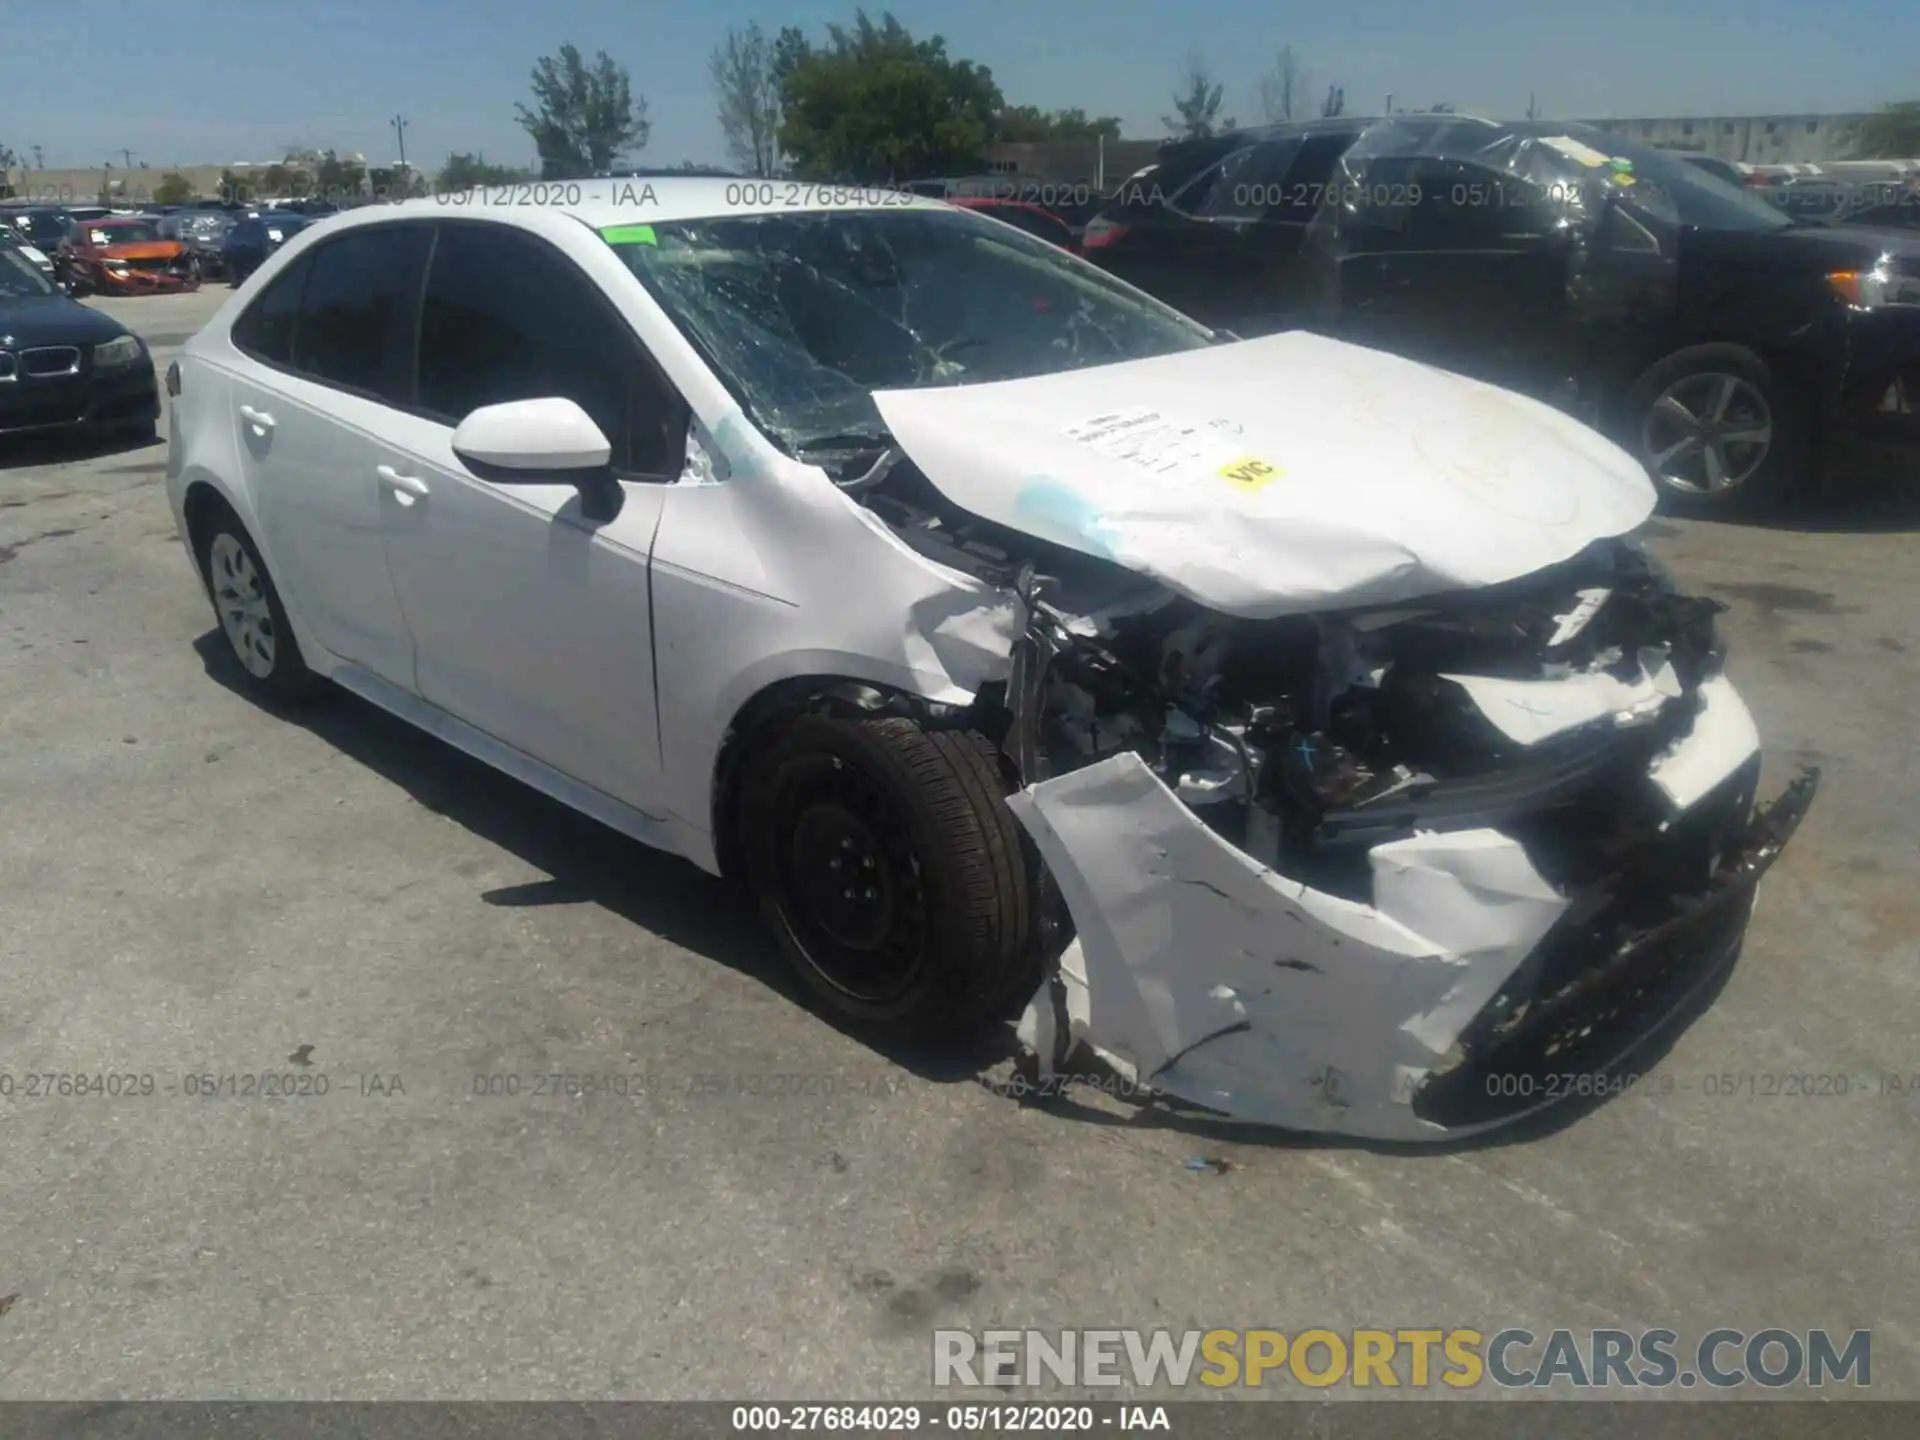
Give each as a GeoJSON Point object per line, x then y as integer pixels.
{"type": "Point", "coordinates": [213, 81]}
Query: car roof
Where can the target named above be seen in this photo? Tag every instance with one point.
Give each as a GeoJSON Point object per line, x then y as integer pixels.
{"type": "Point", "coordinates": [643, 200]}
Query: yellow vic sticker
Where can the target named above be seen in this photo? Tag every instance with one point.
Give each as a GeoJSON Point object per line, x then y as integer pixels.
{"type": "Point", "coordinates": [1249, 472]}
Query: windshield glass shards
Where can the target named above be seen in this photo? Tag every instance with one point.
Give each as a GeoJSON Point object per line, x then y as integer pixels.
{"type": "Point", "coordinates": [805, 315]}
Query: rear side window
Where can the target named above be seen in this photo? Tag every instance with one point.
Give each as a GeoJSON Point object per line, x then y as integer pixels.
{"type": "Point", "coordinates": [506, 318]}
{"type": "Point", "coordinates": [355, 312]}
{"type": "Point", "coordinates": [265, 330]}
{"type": "Point", "coordinates": [1245, 185]}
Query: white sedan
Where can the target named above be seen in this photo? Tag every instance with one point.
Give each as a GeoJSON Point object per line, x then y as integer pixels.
{"type": "Point", "coordinates": [1296, 727]}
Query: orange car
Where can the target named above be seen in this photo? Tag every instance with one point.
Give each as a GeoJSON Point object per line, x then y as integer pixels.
{"type": "Point", "coordinates": [125, 255]}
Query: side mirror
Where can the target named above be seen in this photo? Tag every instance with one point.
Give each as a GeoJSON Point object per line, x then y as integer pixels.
{"type": "Point", "coordinates": [550, 441]}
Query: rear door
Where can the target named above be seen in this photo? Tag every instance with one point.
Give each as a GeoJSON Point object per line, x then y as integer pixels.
{"type": "Point", "coordinates": [327, 341]}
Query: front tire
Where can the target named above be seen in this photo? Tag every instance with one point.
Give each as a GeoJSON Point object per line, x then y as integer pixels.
{"type": "Point", "coordinates": [249, 610]}
{"type": "Point", "coordinates": [885, 859]}
{"type": "Point", "coordinates": [1716, 429]}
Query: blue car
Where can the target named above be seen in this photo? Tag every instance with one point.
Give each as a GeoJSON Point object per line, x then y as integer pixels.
{"type": "Point", "coordinates": [254, 237]}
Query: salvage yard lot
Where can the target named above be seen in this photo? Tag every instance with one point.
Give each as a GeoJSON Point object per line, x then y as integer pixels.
{"type": "Point", "coordinates": [194, 890]}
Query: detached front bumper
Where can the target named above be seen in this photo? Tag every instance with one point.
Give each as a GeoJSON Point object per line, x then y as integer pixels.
{"type": "Point", "coordinates": [1206, 975]}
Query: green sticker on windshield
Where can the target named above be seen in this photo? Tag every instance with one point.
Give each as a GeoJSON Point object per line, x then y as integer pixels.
{"type": "Point", "coordinates": [629, 235]}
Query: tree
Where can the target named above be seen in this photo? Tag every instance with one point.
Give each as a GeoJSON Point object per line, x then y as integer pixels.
{"type": "Point", "coordinates": [743, 80]}
{"type": "Point", "coordinates": [1284, 87]}
{"type": "Point", "coordinates": [1029, 123]}
{"type": "Point", "coordinates": [232, 187]}
{"type": "Point", "coordinates": [790, 47]}
{"type": "Point", "coordinates": [1893, 134]}
{"type": "Point", "coordinates": [584, 120]}
{"type": "Point", "coordinates": [1196, 103]}
{"type": "Point", "coordinates": [463, 172]}
{"type": "Point", "coordinates": [173, 189]}
{"type": "Point", "coordinates": [874, 105]}
{"type": "Point", "coordinates": [334, 177]}
{"type": "Point", "coordinates": [1335, 103]}
{"type": "Point", "coordinates": [7, 161]}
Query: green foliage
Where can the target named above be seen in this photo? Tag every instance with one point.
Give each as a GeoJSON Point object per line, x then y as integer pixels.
{"type": "Point", "coordinates": [742, 69]}
{"type": "Point", "coordinates": [1893, 134]}
{"type": "Point", "coordinates": [1196, 104]}
{"type": "Point", "coordinates": [173, 189]}
{"type": "Point", "coordinates": [334, 178]}
{"type": "Point", "coordinates": [584, 119]}
{"type": "Point", "coordinates": [464, 171]}
{"type": "Point", "coordinates": [1027, 123]}
{"type": "Point", "coordinates": [875, 105]}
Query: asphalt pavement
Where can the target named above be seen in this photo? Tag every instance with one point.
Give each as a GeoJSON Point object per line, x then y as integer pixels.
{"type": "Point", "coordinates": [195, 891]}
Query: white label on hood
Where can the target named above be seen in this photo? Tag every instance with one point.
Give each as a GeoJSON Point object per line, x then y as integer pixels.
{"type": "Point", "coordinates": [1174, 449]}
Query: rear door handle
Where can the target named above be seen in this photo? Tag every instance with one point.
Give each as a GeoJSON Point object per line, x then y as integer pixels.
{"type": "Point", "coordinates": [259, 419]}
{"type": "Point", "coordinates": [408, 487]}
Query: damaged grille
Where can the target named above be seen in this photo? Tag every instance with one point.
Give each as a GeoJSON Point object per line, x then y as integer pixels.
{"type": "Point", "coordinates": [1631, 948]}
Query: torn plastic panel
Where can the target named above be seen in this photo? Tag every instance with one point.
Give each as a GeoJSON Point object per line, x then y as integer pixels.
{"type": "Point", "coordinates": [1201, 974]}
{"type": "Point", "coordinates": [1220, 981]}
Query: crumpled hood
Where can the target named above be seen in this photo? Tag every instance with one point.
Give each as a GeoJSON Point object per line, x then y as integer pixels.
{"type": "Point", "coordinates": [1278, 476]}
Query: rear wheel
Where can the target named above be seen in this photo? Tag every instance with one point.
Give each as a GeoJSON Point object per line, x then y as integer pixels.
{"type": "Point", "coordinates": [249, 609]}
{"type": "Point", "coordinates": [885, 859]}
{"type": "Point", "coordinates": [1715, 428]}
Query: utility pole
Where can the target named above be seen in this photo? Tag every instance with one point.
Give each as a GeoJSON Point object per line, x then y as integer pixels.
{"type": "Point", "coordinates": [399, 123]}
{"type": "Point", "coordinates": [39, 158]}
{"type": "Point", "coordinates": [127, 155]}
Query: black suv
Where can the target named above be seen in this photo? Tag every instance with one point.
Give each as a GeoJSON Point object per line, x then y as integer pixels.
{"type": "Point", "coordinates": [1716, 337]}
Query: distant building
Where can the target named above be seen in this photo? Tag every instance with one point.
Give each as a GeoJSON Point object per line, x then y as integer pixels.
{"type": "Point", "coordinates": [1071, 161]}
{"type": "Point", "coordinates": [1755, 139]}
{"type": "Point", "coordinates": [136, 186]}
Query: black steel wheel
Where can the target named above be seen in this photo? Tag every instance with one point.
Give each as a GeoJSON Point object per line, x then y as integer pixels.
{"type": "Point", "coordinates": [884, 858]}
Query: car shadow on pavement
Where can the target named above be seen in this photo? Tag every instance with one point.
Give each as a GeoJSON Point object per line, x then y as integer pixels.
{"type": "Point", "coordinates": [585, 862]}
{"type": "Point", "coordinates": [1879, 498]}
{"type": "Point", "coordinates": [22, 452]}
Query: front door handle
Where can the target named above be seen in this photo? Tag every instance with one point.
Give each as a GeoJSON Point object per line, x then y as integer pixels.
{"type": "Point", "coordinates": [408, 487]}
{"type": "Point", "coordinates": [259, 419]}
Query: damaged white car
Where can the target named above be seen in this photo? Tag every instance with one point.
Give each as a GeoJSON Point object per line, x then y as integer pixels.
{"type": "Point", "coordinates": [1298, 727]}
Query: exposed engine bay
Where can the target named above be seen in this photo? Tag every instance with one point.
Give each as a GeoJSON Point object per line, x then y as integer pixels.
{"type": "Point", "coordinates": [1340, 752]}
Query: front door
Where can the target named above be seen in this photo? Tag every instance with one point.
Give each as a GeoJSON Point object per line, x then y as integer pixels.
{"type": "Point", "coordinates": [530, 620]}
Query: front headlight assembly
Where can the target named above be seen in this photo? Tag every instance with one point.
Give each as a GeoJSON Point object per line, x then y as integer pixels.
{"type": "Point", "coordinates": [1876, 288]}
{"type": "Point", "coordinates": [116, 354]}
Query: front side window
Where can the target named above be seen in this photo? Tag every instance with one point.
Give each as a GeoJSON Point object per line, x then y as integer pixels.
{"type": "Point", "coordinates": [354, 310]}
{"type": "Point", "coordinates": [1243, 186]}
{"type": "Point", "coordinates": [804, 315]}
{"type": "Point", "coordinates": [506, 318]}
